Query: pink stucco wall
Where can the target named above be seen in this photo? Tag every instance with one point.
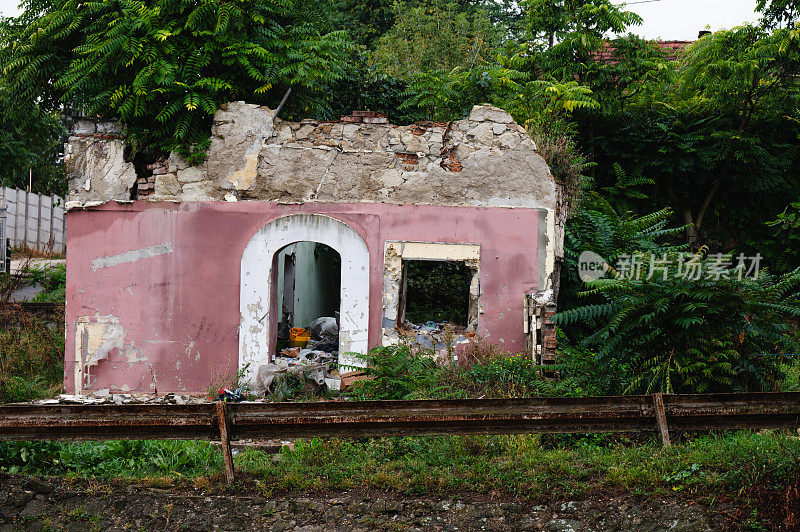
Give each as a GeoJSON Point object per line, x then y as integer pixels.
{"type": "Point", "coordinates": [180, 310]}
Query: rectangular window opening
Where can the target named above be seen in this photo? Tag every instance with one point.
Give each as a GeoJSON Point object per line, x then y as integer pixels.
{"type": "Point", "coordinates": [436, 292]}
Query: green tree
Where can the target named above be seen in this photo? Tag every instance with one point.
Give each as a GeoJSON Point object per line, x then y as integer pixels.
{"type": "Point", "coordinates": [30, 148]}
{"type": "Point", "coordinates": [599, 227]}
{"type": "Point", "coordinates": [717, 134]}
{"type": "Point", "coordinates": [573, 31]}
{"type": "Point", "coordinates": [163, 67]}
{"type": "Point", "coordinates": [779, 13]}
{"type": "Point", "coordinates": [425, 39]}
{"type": "Point", "coordinates": [29, 151]}
{"type": "Point", "coordinates": [678, 333]}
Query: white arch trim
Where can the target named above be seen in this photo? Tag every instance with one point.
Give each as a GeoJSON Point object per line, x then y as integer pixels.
{"type": "Point", "coordinates": [256, 279]}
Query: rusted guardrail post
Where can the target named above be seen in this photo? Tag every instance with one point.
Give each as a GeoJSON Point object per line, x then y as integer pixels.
{"type": "Point", "coordinates": [225, 439]}
{"type": "Point", "coordinates": [661, 418]}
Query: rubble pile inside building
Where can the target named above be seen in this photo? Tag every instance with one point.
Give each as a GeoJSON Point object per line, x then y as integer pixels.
{"type": "Point", "coordinates": [317, 361]}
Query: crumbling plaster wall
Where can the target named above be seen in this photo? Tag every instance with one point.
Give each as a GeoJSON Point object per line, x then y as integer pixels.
{"type": "Point", "coordinates": [94, 162]}
{"type": "Point", "coordinates": [160, 284]}
{"type": "Point", "coordinates": [485, 160]}
{"type": "Point", "coordinates": [140, 273]}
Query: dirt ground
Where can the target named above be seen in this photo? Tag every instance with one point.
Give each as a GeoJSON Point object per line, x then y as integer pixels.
{"type": "Point", "coordinates": [32, 504]}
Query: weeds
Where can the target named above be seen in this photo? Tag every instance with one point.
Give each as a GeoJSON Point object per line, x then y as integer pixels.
{"type": "Point", "coordinates": [519, 465]}
{"type": "Point", "coordinates": [231, 379]}
{"type": "Point", "coordinates": [31, 341]}
{"type": "Point", "coordinates": [400, 372]}
{"type": "Point", "coordinates": [122, 458]}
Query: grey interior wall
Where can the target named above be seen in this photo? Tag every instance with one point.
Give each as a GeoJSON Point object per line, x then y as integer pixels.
{"type": "Point", "coordinates": [316, 282]}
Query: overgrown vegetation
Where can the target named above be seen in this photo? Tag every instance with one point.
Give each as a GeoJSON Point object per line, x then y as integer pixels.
{"type": "Point", "coordinates": [437, 291]}
{"type": "Point", "coordinates": [677, 333]}
{"type": "Point", "coordinates": [32, 343]}
{"type": "Point", "coordinates": [403, 372]}
{"type": "Point", "coordinates": [740, 466]}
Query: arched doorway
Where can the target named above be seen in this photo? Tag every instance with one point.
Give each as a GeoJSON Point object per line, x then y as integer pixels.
{"type": "Point", "coordinates": [258, 299]}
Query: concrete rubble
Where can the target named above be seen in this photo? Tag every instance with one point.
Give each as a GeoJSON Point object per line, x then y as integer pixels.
{"type": "Point", "coordinates": [105, 397]}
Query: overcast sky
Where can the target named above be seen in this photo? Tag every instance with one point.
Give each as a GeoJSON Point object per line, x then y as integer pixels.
{"type": "Point", "coordinates": [664, 19]}
{"type": "Point", "coordinates": [683, 19]}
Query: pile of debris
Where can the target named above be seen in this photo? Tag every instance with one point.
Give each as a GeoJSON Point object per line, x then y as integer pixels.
{"type": "Point", "coordinates": [105, 397]}
{"type": "Point", "coordinates": [441, 338]}
{"type": "Point", "coordinates": [317, 361]}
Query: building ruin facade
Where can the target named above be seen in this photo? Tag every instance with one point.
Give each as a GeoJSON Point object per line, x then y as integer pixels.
{"type": "Point", "coordinates": [174, 277]}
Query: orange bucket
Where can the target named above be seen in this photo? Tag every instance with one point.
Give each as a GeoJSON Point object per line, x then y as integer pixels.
{"type": "Point", "coordinates": [299, 337]}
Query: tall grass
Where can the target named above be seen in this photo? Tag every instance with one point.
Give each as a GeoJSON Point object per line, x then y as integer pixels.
{"type": "Point", "coordinates": [31, 345]}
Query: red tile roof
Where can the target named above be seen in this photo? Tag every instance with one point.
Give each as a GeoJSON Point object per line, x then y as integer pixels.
{"type": "Point", "coordinates": [671, 48]}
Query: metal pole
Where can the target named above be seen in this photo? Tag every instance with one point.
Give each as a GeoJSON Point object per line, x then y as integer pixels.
{"type": "Point", "coordinates": [3, 267]}
{"type": "Point", "coordinates": [280, 105]}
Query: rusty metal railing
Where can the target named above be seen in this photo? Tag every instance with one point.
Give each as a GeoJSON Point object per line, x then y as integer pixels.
{"type": "Point", "coordinates": [231, 421]}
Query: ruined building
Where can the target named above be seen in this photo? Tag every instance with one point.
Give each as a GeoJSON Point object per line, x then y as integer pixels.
{"type": "Point", "coordinates": [181, 275]}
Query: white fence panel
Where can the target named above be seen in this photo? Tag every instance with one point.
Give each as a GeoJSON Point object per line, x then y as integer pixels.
{"type": "Point", "coordinates": [34, 220]}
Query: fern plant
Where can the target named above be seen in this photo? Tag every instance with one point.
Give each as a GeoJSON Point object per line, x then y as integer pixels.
{"type": "Point", "coordinates": [163, 67]}
{"type": "Point", "coordinates": [679, 334]}
{"type": "Point", "coordinates": [598, 227]}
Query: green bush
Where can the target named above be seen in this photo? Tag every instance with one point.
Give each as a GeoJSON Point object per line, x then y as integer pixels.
{"type": "Point", "coordinates": [399, 372]}
{"type": "Point", "coordinates": [677, 334]}
{"type": "Point", "coordinates": [396, 372]}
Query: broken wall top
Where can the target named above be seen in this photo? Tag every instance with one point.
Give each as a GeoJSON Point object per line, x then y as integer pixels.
{"type": "Point", "coordinates": [486, 160]}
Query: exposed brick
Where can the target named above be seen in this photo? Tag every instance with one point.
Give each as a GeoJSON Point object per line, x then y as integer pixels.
{"type": "Point", "coordinates": [450, 162]}
{"type": "Point", "coordinates": [408, 157]}
{"type": "Point", "coordinates": [410, 161]}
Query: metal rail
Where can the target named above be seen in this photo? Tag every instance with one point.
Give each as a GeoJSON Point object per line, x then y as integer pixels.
{"type": "Point", "coordinates": [231, 421]}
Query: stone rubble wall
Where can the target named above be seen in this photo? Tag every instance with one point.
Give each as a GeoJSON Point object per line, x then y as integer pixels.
{"type": "Point", "coordinates": [485, 160]}
{"type": "Point", "coordinates": [95, 165]}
